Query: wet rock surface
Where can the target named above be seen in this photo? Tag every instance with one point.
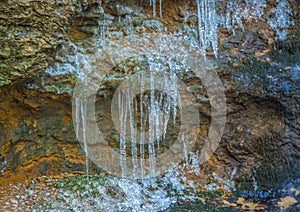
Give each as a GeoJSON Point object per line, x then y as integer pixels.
{"type": "Point", "coordinates": [259, 150]}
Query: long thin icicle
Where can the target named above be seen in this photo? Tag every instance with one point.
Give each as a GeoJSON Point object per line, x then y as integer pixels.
{"type": "Point", "coordinates": [167, 105]}
{"type": "Point", "coordinates": [207, 26]}
{"type": "Point", "coordinates": [123, 125]}
{"type": "Point", "coordinates": [131, 108]}
{"type": "Point", "coordinates": [154, 8]}
{"type": "Point", "coordinates": [77, 116]}
{"type": "Point", "coordinates": [160, 9]}
{"type": "Point", "coordinates": [83, 111]}
{"type": "Point", "coordinates": [142, 128]}
{"type": "Point", "coordinates": [153, 4]}
{"type": "Point", "coordinates": [151, 147]}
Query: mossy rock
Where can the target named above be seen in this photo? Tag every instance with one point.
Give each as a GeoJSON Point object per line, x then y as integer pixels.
{"type": "Point", "coordinates": [30, 32]}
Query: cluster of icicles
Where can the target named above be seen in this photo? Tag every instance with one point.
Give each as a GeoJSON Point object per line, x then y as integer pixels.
{"type": "Point", "coordinates": [153, 4]}
{"type": "Point", "coordinates": [143, 120]}
{"type": "Point", "coordinates": [207, 24]}
{"type": "Point", "coordinates": [153, 112]}
{"type": "Point", "coordinates": [251, 10]}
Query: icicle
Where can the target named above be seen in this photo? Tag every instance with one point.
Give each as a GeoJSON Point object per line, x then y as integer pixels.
{"type": "Point", "coordinates": [151, 112]}
{"type": "Point", "coordinates": [233, 173]}
{"type": "Point", "coordinates": [167, 116]}
{"type": "Point", "coordinates": [83, 108]}
{"type": "Point", "coordinates": [174, 90]}
{"type": "Point", "coordinates": [200, 29]}
{"type": "Point", "coordinates": [255, 185]}
{"type": "Point", "coordinates": [154, 113]}
{"type": "Point", "coordinates": [153, 4]}
{"type": "Point", "coordinates": [167, 106]}
{"type": "Point", "coordinates": [160, 9]}
{"type": "Point", "coordinates": [77, 116]}
{"type": "Point", "coordinates": [123, 120]}
{"type": "Point", "coordinates": [186, 153]}
{"type": "Point", "coordinates": [103, 28]}
{"type": "Point", "coordinates": [159, 120]}
{"type": "Point", "coordinates": [151, 149]}
{"type": "Point", "coordinates": [80, 121]}
{"type": "Point", "coordinates": [214, 27]}
{"type": "Point", "coordinates": [154, 7]}
{"type": "Point", "coordinates": [142, 128]}
{"type": "Point", "coordinates": [132, 133]}
{"type": "Point", "coordinates": [207, 26]}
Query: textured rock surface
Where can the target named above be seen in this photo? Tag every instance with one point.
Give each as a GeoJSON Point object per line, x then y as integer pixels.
{"type": "Point", "coordinates": [262, 134]}
{"type": "Point", "coordinates": [39, 132]}
{"type": "Point", "coordinates": [30, 32]}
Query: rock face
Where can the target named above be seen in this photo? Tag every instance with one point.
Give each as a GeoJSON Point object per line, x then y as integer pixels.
{"type": "Point", "coordinates": [262, 134]}
{"type": "Point", "coordinates": [30, 33]}
{"type": "Point", "coordinates": [37, 132]}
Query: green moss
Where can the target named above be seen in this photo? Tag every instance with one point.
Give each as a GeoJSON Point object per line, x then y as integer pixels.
{"type": "Point", "coordinates": [210, 194]}
{"type": "Point", "coordinates": [253, 65]}
{"type": "Point", "coordinates": [244, 185]}
{"type": "Point", "coordinates": [80, 182]}
{"type": "Point", "coordinates": [4, 81]}
{"type": "Point", "coordinates": [5, 52]}
{"type": "Point", "coordinates": [287, 52]}
{"type": "Point", "coordinates": [285, 59]}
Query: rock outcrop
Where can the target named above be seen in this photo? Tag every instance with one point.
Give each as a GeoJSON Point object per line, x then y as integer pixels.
{"type": "Point", "coordinates": [260, 77]}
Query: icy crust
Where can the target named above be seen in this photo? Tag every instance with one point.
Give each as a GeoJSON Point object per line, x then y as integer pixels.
{"type": "Point", "coordinates": [107, 193]}
{"type": "Point", "coordinates": [72, 58]}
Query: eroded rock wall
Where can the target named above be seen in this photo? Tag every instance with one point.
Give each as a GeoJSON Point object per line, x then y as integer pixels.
{"type": "Point", "coordinates": [261, 139]}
